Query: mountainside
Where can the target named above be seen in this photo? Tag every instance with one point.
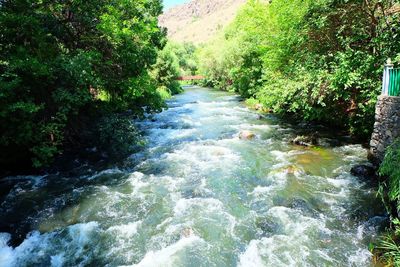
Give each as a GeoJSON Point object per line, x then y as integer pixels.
{"type": "Point", "coordinates": [199, 20]}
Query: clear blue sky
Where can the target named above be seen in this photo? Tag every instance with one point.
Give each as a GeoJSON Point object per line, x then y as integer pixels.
{"type": "Point", "coordinates": [171, 3]}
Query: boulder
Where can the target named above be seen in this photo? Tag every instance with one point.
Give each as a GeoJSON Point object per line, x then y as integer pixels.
{"type": "Point", "coordinates": [246, 135]}
{"type": "Point", "coordinates": [363, 171]}
{"type": "Point", "coordinates": [258, 107]}
{"type": "Point", "coordinates": [303, 140]}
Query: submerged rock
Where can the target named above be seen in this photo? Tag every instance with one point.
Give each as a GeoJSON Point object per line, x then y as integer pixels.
{"type": "Point", "coordinates": [246, 135]}
{"type": "Point", "coordinates": [268, 226]}
{"type": "Point", "coordinates": [303, 205]}
{"type": "Point", "coordinates": [303, 140]}
{"type": "Point", "coordinates": [363, 171]}
{"type": "Point", "coordinates": [187, 232]}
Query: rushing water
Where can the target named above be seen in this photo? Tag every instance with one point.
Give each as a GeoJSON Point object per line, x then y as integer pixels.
{"type": "Point", "coordinates": [200, 196]}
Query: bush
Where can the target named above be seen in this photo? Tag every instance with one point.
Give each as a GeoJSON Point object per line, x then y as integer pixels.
{"type": "Point", "coordinates": [117, 136]}
{"type": "Point", "coordinates": [390, 169]}
{"type": "Point", "coordinates": [389, 245]}
{"type": "Point", "coordinates": [166, 71]}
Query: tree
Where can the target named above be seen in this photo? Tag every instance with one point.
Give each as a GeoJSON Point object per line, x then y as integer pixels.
{"type": "Point", "coordinates": [316, 60]}
{"type": "Point", "coordinates": [55, 59]}
{"type": "Point", "coordinates": [166, 72]}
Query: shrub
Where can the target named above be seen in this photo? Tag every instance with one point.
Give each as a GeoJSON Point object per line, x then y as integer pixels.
{"type": "Point", "coordinates": [389, 245]}
{"type": "Point", "coordinates": [117, 136]}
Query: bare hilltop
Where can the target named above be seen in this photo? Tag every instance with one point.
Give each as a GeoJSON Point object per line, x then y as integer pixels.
{"type": "Point", "coordinates": [199, 20]}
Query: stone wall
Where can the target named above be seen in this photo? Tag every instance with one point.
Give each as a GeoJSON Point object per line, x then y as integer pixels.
{"type": "Point", "coordinates": [386, 128]}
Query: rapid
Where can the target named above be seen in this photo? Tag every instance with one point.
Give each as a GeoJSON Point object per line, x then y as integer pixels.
{"type": "Point", "coordinates": [198, 195]}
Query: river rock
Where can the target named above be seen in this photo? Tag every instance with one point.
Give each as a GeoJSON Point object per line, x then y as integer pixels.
{"type": "Point", "coordinates": [246, 135]}
{"type": "Point", "coordinates": [303, 140]}
{"type": "Point", "coordinates": [258, 107]}
{"type": "Point", "coordinates": [267, 226]}
{"type": "Point", "coordinates": [363, 171]}
{"type": "Point", "coordinates": [305, 206]}
{"type": "Point", "coordinates": [187, 232]}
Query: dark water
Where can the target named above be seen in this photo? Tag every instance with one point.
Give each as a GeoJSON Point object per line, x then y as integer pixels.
{"type": "Point", "coordinates": [200, 196]}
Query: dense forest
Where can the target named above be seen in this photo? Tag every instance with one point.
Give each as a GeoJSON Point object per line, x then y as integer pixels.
{"type": "Point", "coordinates": [68, 69]}
{"type": "Point", "coordinates": [317, 60]}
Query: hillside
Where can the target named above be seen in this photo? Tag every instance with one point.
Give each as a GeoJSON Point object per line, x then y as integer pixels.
{"type": "Point", "coordinates": [199, 20]}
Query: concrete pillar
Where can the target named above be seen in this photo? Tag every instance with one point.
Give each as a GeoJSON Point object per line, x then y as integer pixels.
{"type": "Point", "coordinates": [386, 77]}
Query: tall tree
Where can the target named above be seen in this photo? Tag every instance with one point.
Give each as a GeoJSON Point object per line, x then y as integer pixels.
{"type": "Point", "coordinates": [55, 59]}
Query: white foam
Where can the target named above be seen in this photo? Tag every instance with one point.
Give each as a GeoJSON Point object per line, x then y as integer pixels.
{"type": "Point", "coordinates": [15, 257]}
{"type": "Point", "coordinates": [360, 232]}
{"type": "Point", "coordinates": [361, 258]}
{"type": "Point", "coordinates": [165, 256]}
{"type": "Point", "coordinates": [295, 224]}
{"type": "Point", "coordinates": [324, 256]}
{"type": "Point", "coordinates": [162, 136]}
{"type": "Point", "coordinates": [280, 156]}
{"type": "Point", "coordinates": [6, 252]}
{"type": "Point", "coordinates": [80, 233]}
{"type": "Point", "coordinates": [339, 182]}
{"type": "Point", "coordinates": [205, 206]}
{"type": "Point", "coordinates": [188, 121]}
{"type": "Point", "coordinates": [57, 260]}
{"type": "Point", "coordinates": [209, 204]}
{"type": "Point", "coordinates": [261, 127]}
{"type": "Point", "coordinates": [291, 244]}
{"type": "Point", "coordinates": [203, 157]}
{"type": "Point", "coordinates": [260, 190]}
{"type": "Point", "coordinates": [251, 257]}
{"type": "Point", "coordinates": [278, 250]}
{"type": "Point", "coordinates": [126, 230]}
{"type": "Point", "coordinates": [37, 246]}
{"type": "Point", "coordinates": [136, 181]}
{"type": "Point", "coordinates": [352, 152]}
{"type": "Point", "coordinates": [105, 172]}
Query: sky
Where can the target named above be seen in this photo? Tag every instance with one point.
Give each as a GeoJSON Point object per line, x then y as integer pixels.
{"type": "Point", "coordinates": [171, 3]}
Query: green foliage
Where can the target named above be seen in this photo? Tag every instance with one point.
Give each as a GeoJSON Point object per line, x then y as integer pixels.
{"type": "Point", "coordinates": [166, 71]}
{"type": "Point", "coordinates": [317, 60]}
{"type": "Point", "coordinates": [389, 245]}
{"type": "Point", "coordinates": [186, 55]}
{"type": "Point", "coordinates": [61, 59]}
{"type": "Point", "coordinates": [216, 63]}
{"type": "Point", "coordinates": [391, 254]}
{"type": "Point", "coordinates": [390, 169]}
{"type": "Point", "coordinates": [252, 102]}
{"type": "Point", "coordinates": [117, 136]}
{"type": "Point", "coordinates": [388, 248]}
{"type": "Point", "coordinates": [173, 61]}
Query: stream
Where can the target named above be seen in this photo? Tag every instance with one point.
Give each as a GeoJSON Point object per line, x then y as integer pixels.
{"type": "Point", "coordinates": [198, 195]}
